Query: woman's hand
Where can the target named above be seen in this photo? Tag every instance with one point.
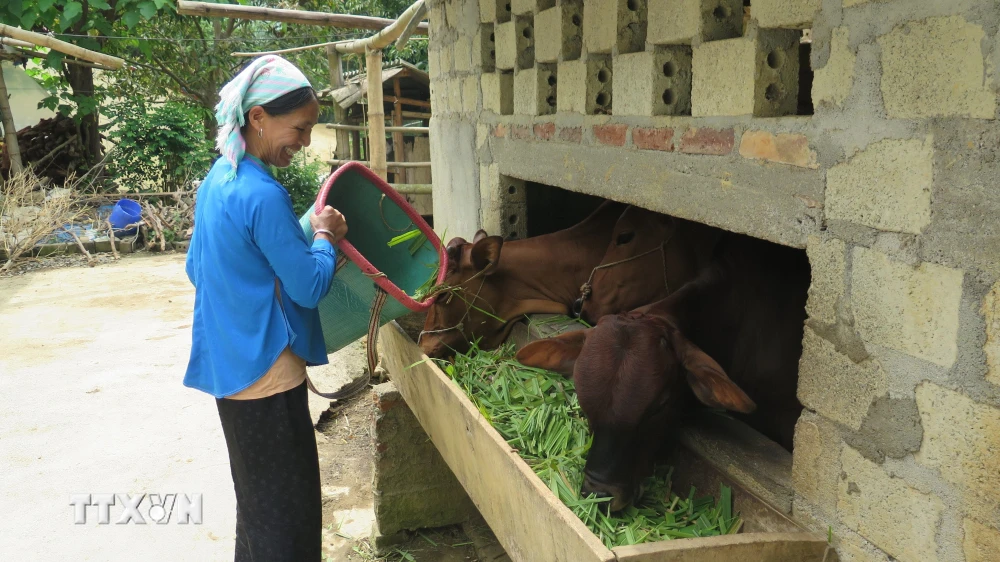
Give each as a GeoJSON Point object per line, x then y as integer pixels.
{"type": "Point", "coordinates": [329, 219]}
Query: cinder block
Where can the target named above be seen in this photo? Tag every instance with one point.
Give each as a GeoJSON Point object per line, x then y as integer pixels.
{"type": "Point", "coordinates": [506, 93]}
{"type": "Point", "coordinates": [413, 486]}
{"type": "Point", "coordinates": [433, 63]}
{"type": "Point", "coordinates": [935, 68]}
{"type": "Point", "coordinates": [571, 95]}
{"type": "Point", "coordinates": [524, 27]}
{"type": "Point", "coordinates": [886, 186]}
{"type": "Point", "coordinates": [487, 11]}
{"type": "Point", "coordinates": [455, 95]}
{"type": "Point", "coordinates": [463, 54]}
{"type": "Point", "coordinates": [489, 83]}
{"type": "Point", "coordinates": [913, 310]}
{"type": "Point", "coordinates": [982, 543]}
{"type": "Point", "coordinates": [835, 386]}
{"type": "Point", "coordinates": [962, 441]}
{"type": "Point", "coordinates": [599, 85]}
{"type": "Point", "coordinates": [487, 48]}
{"type": "Point", "coordinates": [788, 14]}
{"type": "Point", "coordinates": [535, 90]}
{"type": "Point", "coordinates": [447, 56]}
{"type": "Point", "coordinates": [503, 204]}
{"type": "Point", "coordinates": [470, 94]}
{"type": "Point", "coordinates": [654, 82]}
{"type": "Point", "coordinates": [827, 262]}
{"type": "Point", "coordinates": [521, 7]}
{"type": "Point", "coordinates": [747, 76]}
{"type": "Point", "coordinates": [614, 26]}
{"type": "Point", "coordinates": [991, 312]}
{"type": "Point", "coordinates": [548, 43]}
{"type": "Point", "coordinates": [506, 45]}
{"type": "Point", "coordinates": [504, 11]}
{"type": "Point", "coordinates": [816, 462]}
{"type": "Point", "coordinates": [833, 82]}
{"type": "Point", "coordinates": [679, 22]}
{"type": "Point", "coordinates": [875, 504]}
{"type": "Point", "coordinates": [571, 15]}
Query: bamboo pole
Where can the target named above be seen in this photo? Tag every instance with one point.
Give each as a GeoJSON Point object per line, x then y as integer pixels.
{"type": "Point", "coordinates": [347, 21]}
{"type": "Point", "coordinates": [376, 113]}
{"type": "Point", "coordinates": [10, 132]}
{"type": "Point", "coordinates": [15, 43]}
{"type": "Point", "coordinates": [343, 148]}
{"type": "Point", "coordinates": [410, 131]}
{"type": "Point", "coordinates": [335, 162]}
{"type": "Point", "coordinates": [398, 151]}
{"type": "Point", "coordinates": [379, 41]}
{"type": "Point", "coordinates": [61, 46]}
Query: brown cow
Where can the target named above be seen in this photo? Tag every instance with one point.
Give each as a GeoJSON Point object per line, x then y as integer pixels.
{"type": "Point", "coordinates": [541, 274]}
{"type": "Point", "coordinates": [729, 339]}
{"type": "Point", "coordinates": [650, 256]}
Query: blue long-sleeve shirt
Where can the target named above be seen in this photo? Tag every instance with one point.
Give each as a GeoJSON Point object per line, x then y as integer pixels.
{"type": "Point", "coordinates": [245, 235]}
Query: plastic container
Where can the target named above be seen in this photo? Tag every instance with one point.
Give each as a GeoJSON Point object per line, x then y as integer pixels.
{"type": "Point", "coordinates": [126, 212]}
{"type": "Point", "coordinates": [375, 214]}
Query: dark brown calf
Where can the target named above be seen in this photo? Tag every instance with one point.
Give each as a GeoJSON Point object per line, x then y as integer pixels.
{"type": "Point", "coordinates": [729, 339]}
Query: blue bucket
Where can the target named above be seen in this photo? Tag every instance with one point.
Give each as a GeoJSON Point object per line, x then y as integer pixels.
{"type": "Point", "coordinates": [125, 213]}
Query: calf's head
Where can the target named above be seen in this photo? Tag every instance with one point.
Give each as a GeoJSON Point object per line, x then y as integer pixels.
{"type": "Point", "coordinates": [637, 277]}
{"type": "Point", "coordinates": [634, 374]}
{"type": "Point", "coordinates": [468, 310]}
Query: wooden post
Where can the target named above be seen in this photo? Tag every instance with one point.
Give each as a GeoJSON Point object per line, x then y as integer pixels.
{"type": "Point", "coordinates": [343, 150]}
{"type": "Point", "coordinates": [10, 132]}
{"type": "Point", "coordinates": [376, 113]}
{"type": "Point", "coordinates": [399, 151]}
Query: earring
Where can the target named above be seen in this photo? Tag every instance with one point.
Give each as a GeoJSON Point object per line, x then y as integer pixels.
{"type": "Point", "coordinates": [260, 133]}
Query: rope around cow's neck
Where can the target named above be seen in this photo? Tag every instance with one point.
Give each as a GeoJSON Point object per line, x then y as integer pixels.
{"type": "Point", "coordinates": [460, 326]}
{"type": "Point", "coordinates": [587, 288]}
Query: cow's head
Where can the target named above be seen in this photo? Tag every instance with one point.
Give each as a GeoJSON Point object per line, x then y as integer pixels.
{"type": "Point", "coordinates": [639, 278]}
{"type": "Point", "coordinates": [634, 373]}
{"type": "Point", "coordinates": [469, 309]}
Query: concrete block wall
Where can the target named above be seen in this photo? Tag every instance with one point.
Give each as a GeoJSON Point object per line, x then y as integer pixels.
{"type": "Point", "coordinates": [889, 185]}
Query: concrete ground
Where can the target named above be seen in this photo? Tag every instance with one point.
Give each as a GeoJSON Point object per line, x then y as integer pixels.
{"type": "Point", "coordinates": [91, 402]}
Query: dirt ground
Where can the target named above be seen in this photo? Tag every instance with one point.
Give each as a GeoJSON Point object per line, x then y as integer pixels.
{"type": "Point", "coordinates": [91, 402]}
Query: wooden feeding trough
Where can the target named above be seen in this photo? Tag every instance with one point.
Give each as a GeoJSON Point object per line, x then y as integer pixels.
{"type": "Point", "coordinates": [530, 521]}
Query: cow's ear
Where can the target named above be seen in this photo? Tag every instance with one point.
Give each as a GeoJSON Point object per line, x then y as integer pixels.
{"type": "Point", "coordinates": [555, 354]}
{"type": "Point", "coordinates": [480, 234]}
{"type": "Point", "coordinates": [486, 252]}
{"type": "Point", "coordinates": [454, 251]}
{"type": "Point", "coordinates": [707, 379]}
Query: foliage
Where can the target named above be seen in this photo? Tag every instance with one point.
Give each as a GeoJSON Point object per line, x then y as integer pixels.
{"type": "Point", "coordinates": [164, 144]}
{"type": "Point", "coordinates": [302, 180]}
{"type": "Point", "coordinates": [537, 412]}
{"type": "Point", "coordinates": [84, 23]}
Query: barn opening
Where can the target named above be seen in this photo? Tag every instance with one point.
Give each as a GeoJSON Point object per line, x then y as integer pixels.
{"type": "Point", "coordinates": [725, 438]}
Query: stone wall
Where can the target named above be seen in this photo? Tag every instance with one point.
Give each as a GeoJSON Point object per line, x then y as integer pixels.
{"type": "Point", "coordinates": [883, 168]}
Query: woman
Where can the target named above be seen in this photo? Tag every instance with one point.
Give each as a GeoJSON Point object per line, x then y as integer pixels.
{"type": "Point", "coordinates": [257, 284]}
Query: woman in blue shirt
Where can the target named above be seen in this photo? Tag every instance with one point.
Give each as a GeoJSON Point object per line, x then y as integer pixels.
{"type": "Point", "coordinates": [257, 283]}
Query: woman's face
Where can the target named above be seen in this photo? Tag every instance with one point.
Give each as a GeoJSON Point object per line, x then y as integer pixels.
{"type": "Point", "coordinates": [285, 135]}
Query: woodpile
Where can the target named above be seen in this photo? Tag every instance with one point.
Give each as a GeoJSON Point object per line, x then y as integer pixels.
{"type": "Point", "coordinates": [52, 148]}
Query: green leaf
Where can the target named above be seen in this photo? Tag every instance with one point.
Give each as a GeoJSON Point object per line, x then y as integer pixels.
{"type": "Point", "coordinates": [147, 9]}
{"type": "Point", "coordinates": [70, 12]}
{"type": "Point", "coordinates": [131, 18]}
{"type": "Point", "coordinates": [15, 7]}
{"type": "Point", "coordinates": [100, 4]}
{"type": "Point", "coordinates": [146, 48]}
{"type": "Point", "coordinates": [44, 5]}
{"type": "Point", "coordinates": [28, 20]}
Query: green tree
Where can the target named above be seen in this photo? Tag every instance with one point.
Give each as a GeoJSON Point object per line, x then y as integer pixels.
{"type": "Point", "coordinates": [85, 23]}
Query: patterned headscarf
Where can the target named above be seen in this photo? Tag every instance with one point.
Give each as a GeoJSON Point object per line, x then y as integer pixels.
{"type": "Point", "coordinates": [265, 79]}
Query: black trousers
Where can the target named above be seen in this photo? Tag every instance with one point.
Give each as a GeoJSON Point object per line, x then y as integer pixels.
{"type": "Point", "coordinates": [275, 465]}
